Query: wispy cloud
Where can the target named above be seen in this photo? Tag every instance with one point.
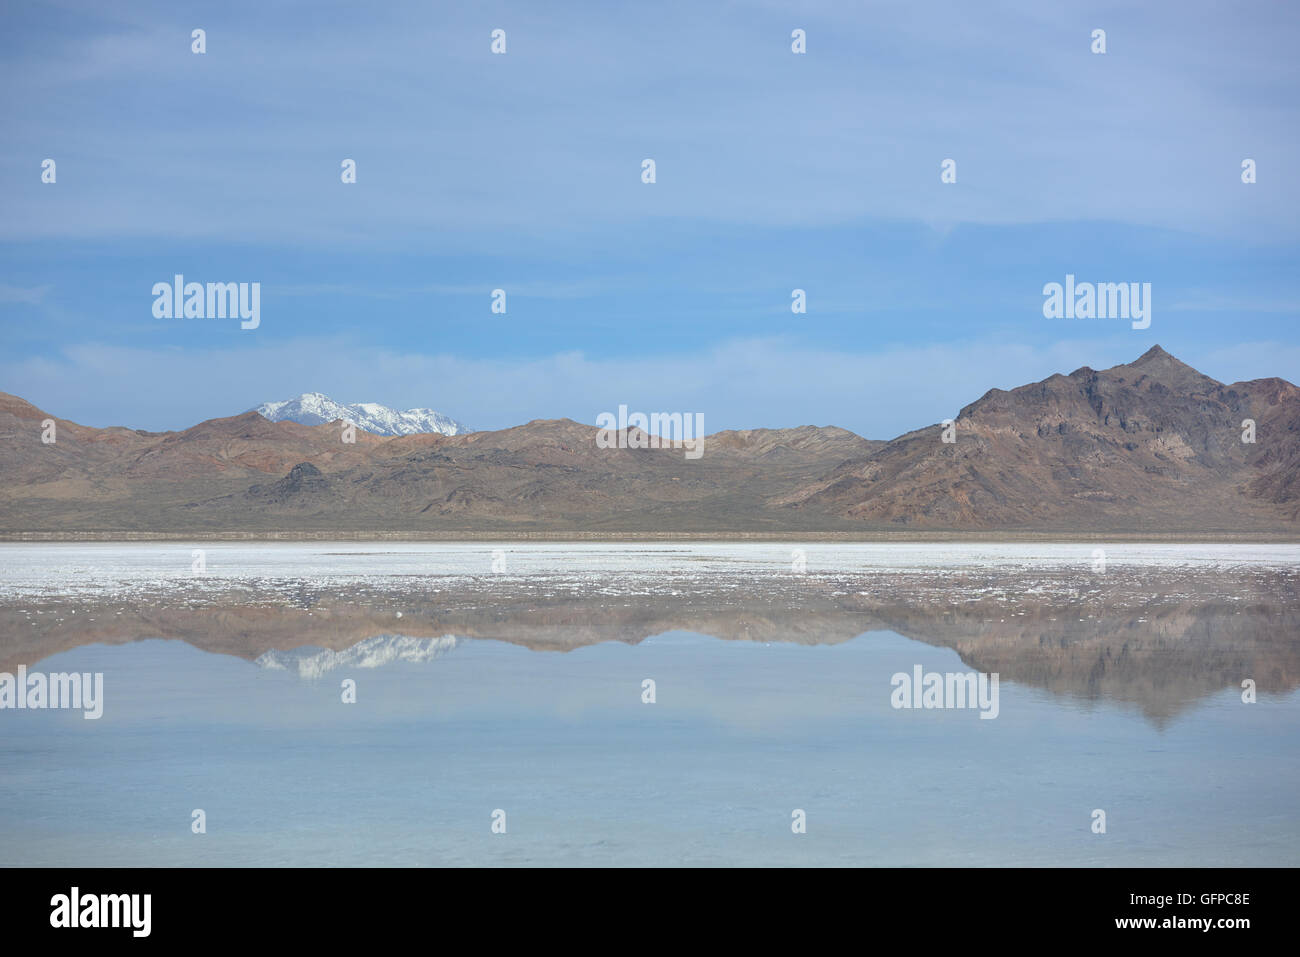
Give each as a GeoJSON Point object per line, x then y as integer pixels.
{"type": "Point", "coordinates": [32, 296]}
{"type": "Point", "coordinates": [549, 138]}
{"type": "Point", "coordinates": [532, 289]}
{"type": "Point", "coordinates": [747, 383]}
{"type": "Point", "coordinates": [1214, 303]}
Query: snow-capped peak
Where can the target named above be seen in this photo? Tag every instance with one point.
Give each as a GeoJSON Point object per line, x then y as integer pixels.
{"type": "Point", "coordinates": [315, 408]}
{"type": "Point", "coordinates": [374, 652]}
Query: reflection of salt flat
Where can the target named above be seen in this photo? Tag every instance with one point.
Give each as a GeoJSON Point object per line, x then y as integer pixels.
{"type": "Point", "coordinates": [372, 652]}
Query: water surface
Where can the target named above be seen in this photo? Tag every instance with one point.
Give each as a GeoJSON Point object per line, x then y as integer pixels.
{"type": "Point", "coordinates": [520, 689]}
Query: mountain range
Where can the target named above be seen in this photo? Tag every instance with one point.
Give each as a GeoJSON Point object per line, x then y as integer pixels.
{"type": "Point", "coordinates": [314, 408]}
{"type": "Point", "coordinates": [1152, 447]}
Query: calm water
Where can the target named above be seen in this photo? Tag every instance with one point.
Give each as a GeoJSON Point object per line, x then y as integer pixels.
{"type": "Point", "coordinates": [521, 690]}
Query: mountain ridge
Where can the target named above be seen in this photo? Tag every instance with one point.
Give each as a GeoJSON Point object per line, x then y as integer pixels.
{"type": "Point", "coordinates": [1085, 441]}
{"type": "Point", "coordinates": [1149, 446]}
{"type": "Point", "coordinates": [316, 408]}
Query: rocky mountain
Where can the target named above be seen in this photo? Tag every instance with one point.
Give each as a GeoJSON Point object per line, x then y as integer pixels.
{"type": "Point", "coordinates": [1148, 445]}
{"type": "Point", "coordinates": [314, 408]}
{"type": "Point", "coordinates": [1151, 447]}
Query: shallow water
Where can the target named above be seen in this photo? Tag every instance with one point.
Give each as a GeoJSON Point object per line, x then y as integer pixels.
{"type": "Point", "coordinates": [521, 691]}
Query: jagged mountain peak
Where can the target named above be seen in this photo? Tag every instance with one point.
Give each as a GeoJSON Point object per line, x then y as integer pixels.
{"type": "Point", "coordinates": [1151, 355]}
{"type": "Point", "coordinates": [1167, 369]}
{"type": "Point", "coordinates": [316, 408]}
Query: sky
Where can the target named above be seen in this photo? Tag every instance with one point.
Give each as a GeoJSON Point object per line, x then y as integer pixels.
{"type": "Point", "coordinates": [522, 171]}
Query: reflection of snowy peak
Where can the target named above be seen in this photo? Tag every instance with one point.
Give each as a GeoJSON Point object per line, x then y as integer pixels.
{"type": "Point", "coordinates": [372, 652]}
{"type": "Point", "coordinates": [313, 408]}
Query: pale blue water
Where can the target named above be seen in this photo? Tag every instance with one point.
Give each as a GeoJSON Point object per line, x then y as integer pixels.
{"type": "Point", "coordinates": [742, 733]}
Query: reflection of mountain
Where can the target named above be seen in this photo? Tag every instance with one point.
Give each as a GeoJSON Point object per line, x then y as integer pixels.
{"type": "Point", "coordinates": [1162, 661]}
{"type": "Point", "coordinates": [374, 652]}
{"type": "Point", "coordinates": [1158, 638]}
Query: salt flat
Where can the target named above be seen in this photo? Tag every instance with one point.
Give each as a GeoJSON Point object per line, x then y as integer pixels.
{"type": "Point", "coordinates": [123, 568]}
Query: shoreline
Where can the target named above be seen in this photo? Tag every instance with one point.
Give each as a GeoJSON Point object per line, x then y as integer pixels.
{"type": "Point", "coordinates": [865, 537]}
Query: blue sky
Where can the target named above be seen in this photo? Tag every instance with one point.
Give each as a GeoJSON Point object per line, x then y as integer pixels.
{"type": "Point", "coordinates": [775, 171]}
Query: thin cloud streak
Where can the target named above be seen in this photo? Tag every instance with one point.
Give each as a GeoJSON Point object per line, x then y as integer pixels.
{"type": "Point", "coordinates": [752, 383]}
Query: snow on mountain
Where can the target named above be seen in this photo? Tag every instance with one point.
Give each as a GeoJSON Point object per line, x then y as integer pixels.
{"type": "Point", "coordinates": [313, 408]}
{"type": "Point", "coordinates": [374, 652]}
